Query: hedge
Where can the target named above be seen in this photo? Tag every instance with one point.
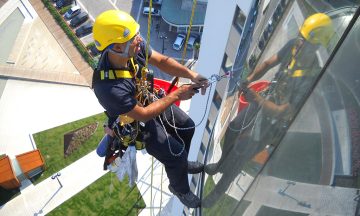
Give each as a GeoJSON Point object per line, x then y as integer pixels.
{"type": "Point", "coordinates": [76, 41]}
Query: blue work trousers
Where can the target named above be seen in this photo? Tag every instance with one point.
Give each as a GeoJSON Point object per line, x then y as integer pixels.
{"type": "Point", "coordinates": [156, 139]}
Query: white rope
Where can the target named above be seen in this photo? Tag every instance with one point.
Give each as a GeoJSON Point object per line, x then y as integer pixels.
{"type": "Point", "coordinates": [214, 78]}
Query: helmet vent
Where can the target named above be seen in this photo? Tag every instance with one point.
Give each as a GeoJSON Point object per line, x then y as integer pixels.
{"type": "Point", "coordinates": [126, 33]}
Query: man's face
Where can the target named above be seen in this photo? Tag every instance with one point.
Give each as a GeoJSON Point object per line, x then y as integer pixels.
{"type": "Point", "coordinates": [321, 36]}
{"type": "Point", "coordinates": [134, 46]}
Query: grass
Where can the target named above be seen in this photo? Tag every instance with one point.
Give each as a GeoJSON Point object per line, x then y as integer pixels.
{"type": "Point", "coordinates": [225, 204]}
{"type": "Point", "coordinates": [51, 144]}
{"type": "Point", "coordinates": [106, 196]}
{"type": "Point", "coordinates": [100, 198]}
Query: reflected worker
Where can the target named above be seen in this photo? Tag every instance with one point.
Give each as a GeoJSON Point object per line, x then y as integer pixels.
{"type": "Point", "coordinates": [267, 116]}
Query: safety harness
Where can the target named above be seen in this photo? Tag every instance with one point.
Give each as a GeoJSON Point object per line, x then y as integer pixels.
{"type": "Point", "coordinates": [127, 131]}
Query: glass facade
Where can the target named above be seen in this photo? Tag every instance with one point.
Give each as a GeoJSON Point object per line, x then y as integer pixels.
{"type": "Point", "coordinates": [290, 143]}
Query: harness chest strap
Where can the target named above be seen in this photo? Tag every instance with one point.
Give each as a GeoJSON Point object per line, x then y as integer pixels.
{"type": "Point", "coordinates": [114, 74]}
{"type": "Point", "coordinates": [121, 74]}
{"type": "Point", "coordinates": [291, 66]}
{"type": "Point", "coordinates": [124, 119]}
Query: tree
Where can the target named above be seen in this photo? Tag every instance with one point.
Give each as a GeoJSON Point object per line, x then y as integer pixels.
{"type": "Point", "coordinates": [196, 50]}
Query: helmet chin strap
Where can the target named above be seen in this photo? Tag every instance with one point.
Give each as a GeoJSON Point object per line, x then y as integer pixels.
{"type": "Point", "coordinates": [124, 54]}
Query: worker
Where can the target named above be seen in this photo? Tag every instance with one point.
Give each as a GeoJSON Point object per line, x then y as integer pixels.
{"type": "Point", "coordinates": [116, 85]}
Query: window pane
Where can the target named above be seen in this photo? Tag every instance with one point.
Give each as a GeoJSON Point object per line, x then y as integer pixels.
{"type": "Point", "coordinates": [217, 100]}
{"type": "Point", "coordinates": [239, 19]}
{"type": "Point", "coordinates": [317, 162]}
{"type": "Point", "coordinates": [309, 157]}
{"type": "Point", "coordinates": [227, 63]}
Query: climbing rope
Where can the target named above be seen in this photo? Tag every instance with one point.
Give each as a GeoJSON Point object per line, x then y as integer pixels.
{"type": "Point", "coordinates": [162, 171]}
{"type": "Point", "coordinates": [151, 181]}
{"type": "Point", "coordinates": [214, 78]}
{"type": "Point", "coordinates": [148, 35]}
{"type": "Point", "coordinates": [188, 32]}
{"type": "Point", "coordinates": [176, 80]}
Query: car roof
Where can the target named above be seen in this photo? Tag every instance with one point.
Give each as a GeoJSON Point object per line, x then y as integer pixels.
{"type": "Point", "coordinates": [88, 24]}
{"type": "Point", "coordinates": [75, 8]}
{"type": "Point", "coordinates": [82, 14]}
{"type": "Point", "coordinates": [147, 9]}
{"type": "Point", "coordinates": [191, 39]}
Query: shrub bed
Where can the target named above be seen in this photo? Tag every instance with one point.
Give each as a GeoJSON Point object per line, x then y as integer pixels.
{"type": "Point", "coordinates": [74, 139]}
{"type": "Point", "coordinates": [76, 41]}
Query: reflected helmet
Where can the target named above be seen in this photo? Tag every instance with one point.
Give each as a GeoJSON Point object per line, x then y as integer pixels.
{"type": "Point", "coordinates": [317, 29]}
{"type": "Point", "coordinates": [114, 26]}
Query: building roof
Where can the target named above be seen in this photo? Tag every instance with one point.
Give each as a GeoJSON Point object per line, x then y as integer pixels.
{"type": "Point", "coordinates": [6, 171]}
{"type": "Point", "coordinates": [172, 14]}
{"type": "Point", "coordinates": [30, 160]}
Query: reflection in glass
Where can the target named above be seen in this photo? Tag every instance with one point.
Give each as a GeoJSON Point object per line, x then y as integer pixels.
{"type": "Point", "coordinates": [244, 142]}
{"type": "Point", "coordinates": [315, 169]}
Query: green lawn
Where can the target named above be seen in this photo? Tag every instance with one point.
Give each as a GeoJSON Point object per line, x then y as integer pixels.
{"type": "Point", "coordinates": [51, 144]}
{"type": "Point", "coordinates": [100, 198]}
{"type": "Point", "coordinates": [103, 198]}
{"type": "Point", "coordinates": [223, 204]}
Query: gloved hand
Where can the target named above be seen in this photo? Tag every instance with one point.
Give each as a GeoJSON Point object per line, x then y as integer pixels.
{"type": "Point", "coordinates": [202, 81]}
{"type": "Point", "coordinates": [243, 86]}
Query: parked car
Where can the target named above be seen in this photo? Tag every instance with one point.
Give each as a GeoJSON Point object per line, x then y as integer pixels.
{"type": "Point", "coordinates": [179, 42]}
{"type": "Point", "coordinates": [84, 29]}
{"type": "Point", "coordinates": [72, 12]}
{"type": "Point", "coordinates": [63, 3]}
{"type": "Point", "coordinates": [94, 51]}
{"type": "Point", "coordinates": [155, 2]}
{"type": "Point", "coordinates": [79, 19]}
{"type": "Point", "coordinates": [191, 42]}
{"type": "Point", "coordinates": [154, 12]}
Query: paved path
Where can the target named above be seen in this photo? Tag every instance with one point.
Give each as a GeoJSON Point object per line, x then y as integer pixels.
{"type": "Point", "coordinates": [43, 75]}
{"type": "Point", "coordinates": [81, 65]}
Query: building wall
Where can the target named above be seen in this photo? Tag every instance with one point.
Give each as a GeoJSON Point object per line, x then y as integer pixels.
{"type": "Point", "coordinates": [214, 44]}
{"type": "Point", "coordinates": [219, 39]}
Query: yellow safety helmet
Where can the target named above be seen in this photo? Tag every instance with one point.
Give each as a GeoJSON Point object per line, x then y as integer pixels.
{"type": "Point", "coordinates": [317, 29]}
{"type": "Point", "coordinates": [114, 26]}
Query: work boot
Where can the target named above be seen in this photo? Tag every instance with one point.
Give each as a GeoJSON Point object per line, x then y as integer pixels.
{"type": "Point", "coordinates": [189, 199]}
{"type": "Point", "coordinates": [211, 169]}
{"type": "Point", "coordinates": [195, 167]}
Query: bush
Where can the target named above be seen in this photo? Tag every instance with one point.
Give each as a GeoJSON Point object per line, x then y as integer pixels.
{"type": "Point", "coordinates": [90, 45]}
{"type": "Point", "coordinates": [71, 35]}
{"type": "Point", "coordinates": [64, 9]}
